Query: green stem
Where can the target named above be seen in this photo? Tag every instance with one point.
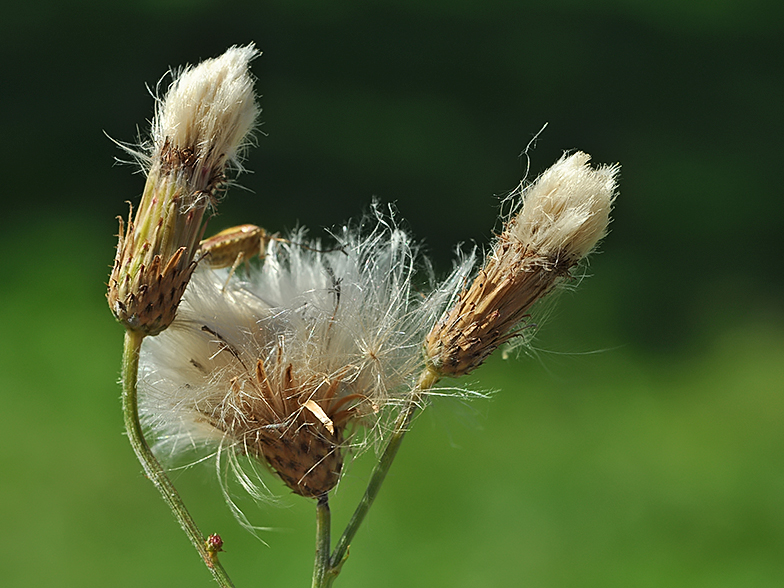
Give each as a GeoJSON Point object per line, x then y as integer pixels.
{"type": "Point", "coordinates": [402, 424]}
{"type": "Point", "coordinates": [323, 542]}
{"type": "Point", "coordinates": [152, 468]}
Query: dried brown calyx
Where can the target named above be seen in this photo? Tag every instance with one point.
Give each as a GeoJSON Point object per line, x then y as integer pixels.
{"type": "Point", "coordinates": [146, 285]}
{"type": "Point", "coordinates": [487, 313]}
{"type": "Point", "coordinates": [294, 423]}
{"type": "Point", "coordinates": [561, 218]}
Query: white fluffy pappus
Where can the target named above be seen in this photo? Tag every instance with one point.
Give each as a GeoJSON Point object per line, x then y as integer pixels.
{"type": "Point", "coordinates": [209, 108]}
{"type": "Point", "coordinates": [291, 363]}
{"type": "Point", "coordinates": [566, 211]}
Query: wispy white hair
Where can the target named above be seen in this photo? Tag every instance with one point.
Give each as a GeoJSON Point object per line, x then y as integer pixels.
{"type": "Point", "coordinates": [351, 314]}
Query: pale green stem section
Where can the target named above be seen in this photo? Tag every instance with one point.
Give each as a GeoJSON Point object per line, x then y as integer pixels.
{"type": "Point", "coordinates": [402, 424]}
{"type": "Point", "coordinates": [152, 468]}
{"type": "Point", "coordinates": [323, 541]}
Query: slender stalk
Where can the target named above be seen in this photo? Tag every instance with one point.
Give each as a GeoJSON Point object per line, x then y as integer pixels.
{"type": "Point", "coordinates": [152, 468]}
{"type": "Point", "coordinates": [323, 541]}
{"type": "Point", "coordinates": [402, 424]}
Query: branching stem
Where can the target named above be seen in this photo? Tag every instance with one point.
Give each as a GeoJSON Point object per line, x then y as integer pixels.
{"type": "Point", "coordinates": [402, 424]}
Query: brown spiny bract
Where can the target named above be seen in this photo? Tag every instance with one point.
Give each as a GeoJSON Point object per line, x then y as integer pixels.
{"type": "Point", "coordinates": [295, 424]}
{"type": "Point", "coordinates": [142, 294]}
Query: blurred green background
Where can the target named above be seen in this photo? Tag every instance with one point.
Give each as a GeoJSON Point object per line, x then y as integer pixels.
{"type": "Point", "coordinates": [639, 443]}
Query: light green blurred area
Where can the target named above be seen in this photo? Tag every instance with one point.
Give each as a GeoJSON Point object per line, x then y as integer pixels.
{"type": "Point", "coordinates": [637, 443]}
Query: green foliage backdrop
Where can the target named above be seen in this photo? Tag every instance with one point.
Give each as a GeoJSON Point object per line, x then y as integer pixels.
{"type": "Point", "coordinates": [639, 443]}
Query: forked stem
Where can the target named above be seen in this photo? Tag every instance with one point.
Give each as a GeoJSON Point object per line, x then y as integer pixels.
{"type": "Point", "coordinates": [402, 424]}
{"type": "Point", "coordinates": [152, 468]}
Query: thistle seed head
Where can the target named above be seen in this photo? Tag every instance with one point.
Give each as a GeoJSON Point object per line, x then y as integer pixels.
{"type": "Point", "coordinates": [561, 218]}
{"type": "Point", "coordinates": [290, 366]}
{"type": "Point", "coordinates": [200, 127]}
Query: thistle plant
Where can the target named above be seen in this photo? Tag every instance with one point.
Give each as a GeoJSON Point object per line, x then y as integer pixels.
{"type": "Point", "coordinates": [201, 125]}
{"type": "Point", "coordinates": [286, 364]}
{"type": "Point", "coordinates": [312, 354]}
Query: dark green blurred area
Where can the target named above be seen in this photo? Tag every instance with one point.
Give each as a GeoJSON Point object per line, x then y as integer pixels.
{"type": "Point", "coordinates": [640, 444]}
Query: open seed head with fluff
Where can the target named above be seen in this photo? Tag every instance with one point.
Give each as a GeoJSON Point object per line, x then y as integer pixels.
{"type": "Point", "coordinates": [288, 364]}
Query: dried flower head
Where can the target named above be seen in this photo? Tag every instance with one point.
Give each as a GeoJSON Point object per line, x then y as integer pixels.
{"type": "Point", "coordinates": [286, 366]}
{"type": "Point", "coordinates": [200, 127]}
{"type": "Point", "coordinates": [564, 214]}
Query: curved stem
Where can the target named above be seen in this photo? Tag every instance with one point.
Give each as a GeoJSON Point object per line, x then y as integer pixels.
{"type": "Point", "coordinates": [323, 541]}
{"type": "Point", "coordinates": [152, 468]}
{"type": "Point", "coordinates": [402, 424]}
